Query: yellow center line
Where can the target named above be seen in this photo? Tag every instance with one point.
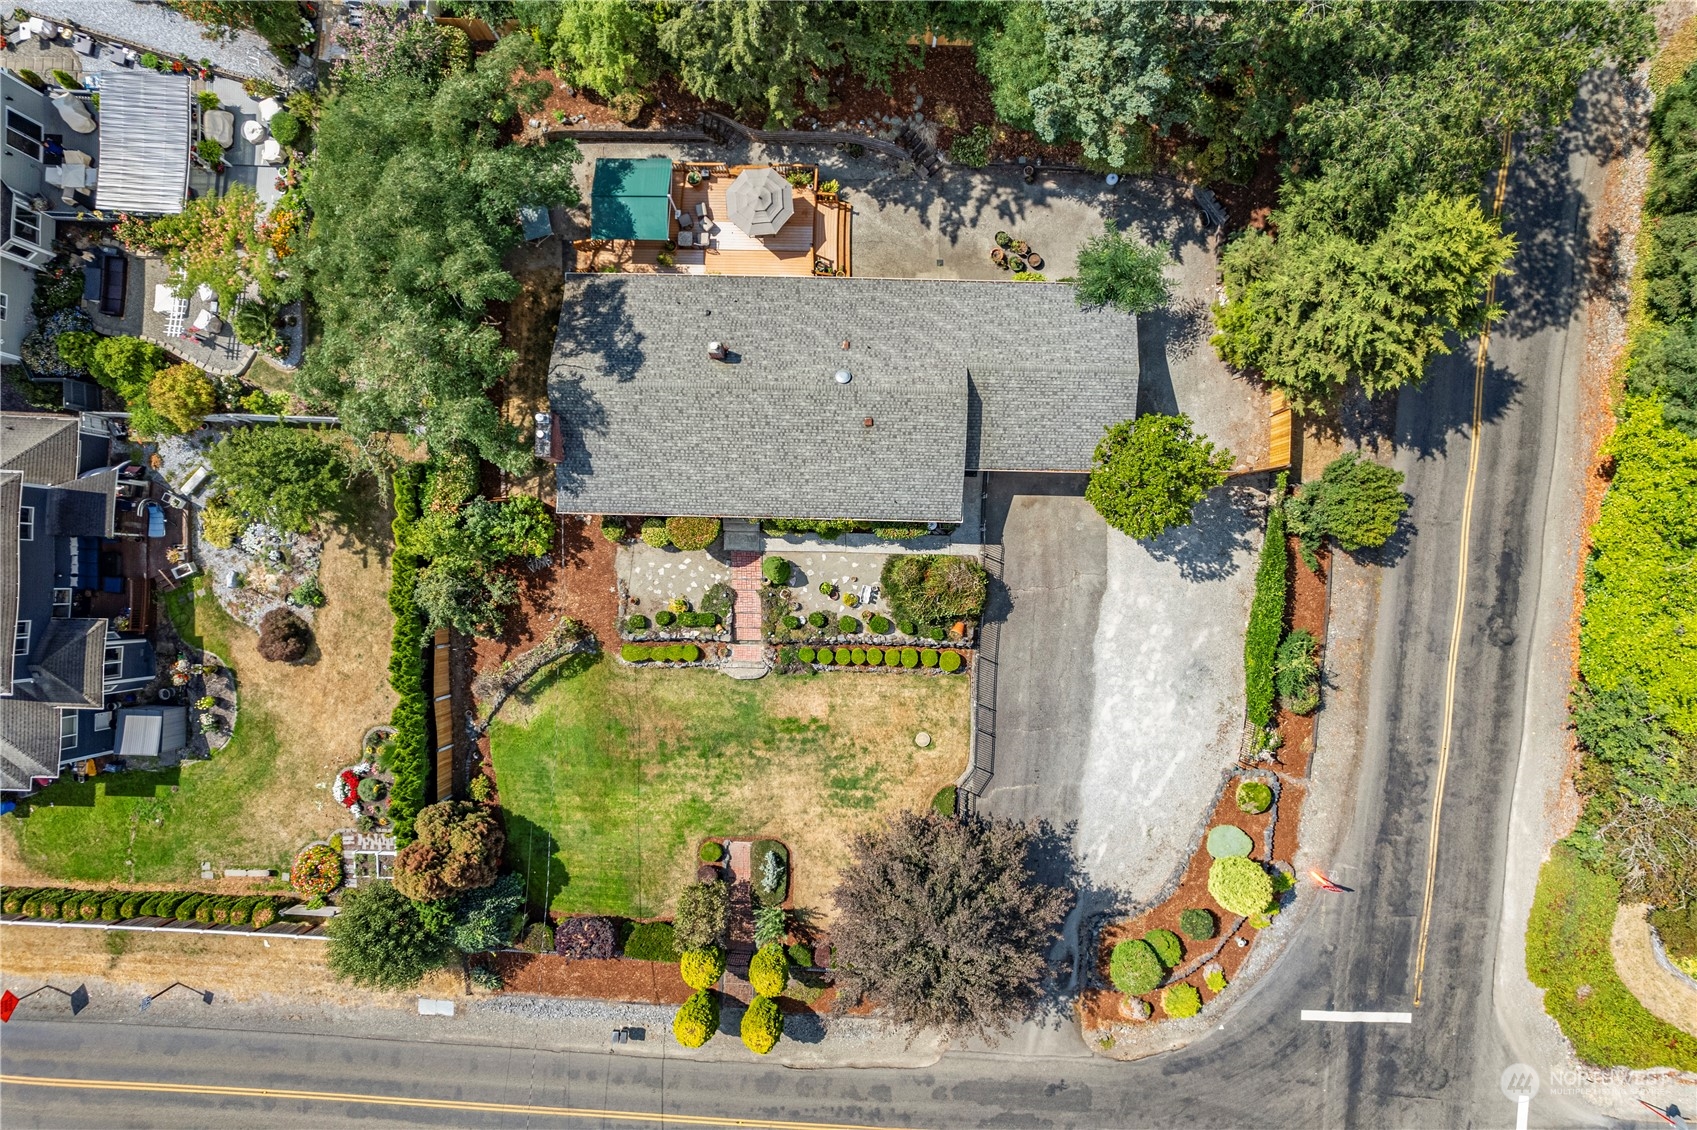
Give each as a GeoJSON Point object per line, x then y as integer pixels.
{"type": "Point", "coordinates": [458, 1105]}
{"type": "Point", "coordinates": [1460, 602]}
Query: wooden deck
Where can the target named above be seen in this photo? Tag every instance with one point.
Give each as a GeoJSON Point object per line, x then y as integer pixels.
{"type": "Point", "coordinates": [818, 230]}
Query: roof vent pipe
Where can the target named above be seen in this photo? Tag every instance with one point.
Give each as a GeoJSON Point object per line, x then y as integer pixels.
{"type": "Point", "coordinates": [844, 376]}
{"type": "Point", "coordinates": [716, 350]}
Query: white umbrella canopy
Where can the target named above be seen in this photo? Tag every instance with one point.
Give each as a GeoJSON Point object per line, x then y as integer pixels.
{"type": "Point", "coordinates": [760, 201]}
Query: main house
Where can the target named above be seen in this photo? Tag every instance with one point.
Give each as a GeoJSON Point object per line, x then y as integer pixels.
{"type": "Point", "coordinates": [74, 664]}
{"type": "Point", "coordinates": [852, 398]}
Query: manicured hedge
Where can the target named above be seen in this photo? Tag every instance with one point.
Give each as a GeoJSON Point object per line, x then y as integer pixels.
{"type": "Point", "coordinates": [660, 653]}
{"type": "Point", "coordinates": [776, 570]}
{"type": "Point", "coordinates": [805, 654]}
{"type": "Point", "coordinates": [651, 941]}
{"type": "Point", "coordinates": [858, 657]}
{"type": "Point", "coordinates": [951, 661]}
{"type": "Point", "coordinates": [665, 618]}
{"type": "Point", "coordinates": [762, 1024]}
{"type": "Point", "coordinates": [1266, 622]}
{"type": "Point", "coordinates": [874, 657]}
{"type": "Point", "coordinates": [769, 970]}
{"type": "Point", "coordinates": [847, 625]}
{"type": "Point", "coordinates": [1567, 951]}
{"type": "Point", "coordinates": [1134, 967]}
{"type": "Point", "coordinates": [654, 533]}
{"type": "Point", "coordinates": [407, 753]}
{"type": "Point", "coordinates": [637, 623]}
{"type": "Point", "coordinates": [910, 657]}
{"type": "Point", "coordinates": [701, 969]}
{"type": "Point", "coordinates": [842, 656]}
{"type": "Point", "coordinates": [878, 625]}
{"type": "Point", "coordinates": [64, 904]}
{"type": "Point", "coordinates": [928, 657]}
{"type": "Point", "coordinates": [697, 1020]}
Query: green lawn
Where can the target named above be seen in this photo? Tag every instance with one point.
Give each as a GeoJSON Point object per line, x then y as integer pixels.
{"type": "Point", "coordinates": [610, 776]}
{"type": "Point", "coordinates": [1568, 956]}
{"type": "Point", "coordinates": [149, 827]}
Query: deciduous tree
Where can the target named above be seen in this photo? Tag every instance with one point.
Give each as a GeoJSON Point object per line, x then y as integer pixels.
{"type": "Point", "coordinates": [1151, 472]}
{"type": "Point", "coordinates": [457, 849]}
{"type": "Point", "coordinates": [182, 396]}
{"type": "Point", "coordinates": [943, 922]}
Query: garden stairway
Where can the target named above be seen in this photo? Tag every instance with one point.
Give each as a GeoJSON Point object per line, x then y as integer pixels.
{"type": "Point", "coordinates": [748, 649]}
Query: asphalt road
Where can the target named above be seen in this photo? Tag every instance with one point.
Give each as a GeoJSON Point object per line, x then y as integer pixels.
{"type": "Point", "coordinates": [1266, 1067]}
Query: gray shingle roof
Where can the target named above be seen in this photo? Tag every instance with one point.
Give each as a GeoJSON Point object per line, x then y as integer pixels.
{"type": "Point", "coordinates": [70, 664]}
{"type": "Point", "coordinates": [29, 742]}
{"type": "Point", "coordinates": [653, 426]}
{"type": "Point", "coordinates": [43, 448]}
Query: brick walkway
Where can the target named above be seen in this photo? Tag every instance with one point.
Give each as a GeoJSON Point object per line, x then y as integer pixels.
{"type": "Point", "coordinates": [745, 578]}
{"type": "Point", "coordinates": [740, 921]}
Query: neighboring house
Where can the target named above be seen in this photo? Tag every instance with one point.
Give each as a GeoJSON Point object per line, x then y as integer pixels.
{"type": "Point", "coordinates": [868, 399]}
{"type": "Point", "coordinates": [66, 606]}
{"type": "Point", "coordinates": [64, 163]}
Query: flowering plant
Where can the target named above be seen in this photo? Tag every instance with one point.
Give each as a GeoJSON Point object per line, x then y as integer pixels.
{"type": "Point", "coordinates": [317, 870]}
{"type": "Point", "coordinates": [347, 784]}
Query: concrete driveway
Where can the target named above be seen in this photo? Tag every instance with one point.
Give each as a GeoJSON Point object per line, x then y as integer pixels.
{"type": "Point", "coordinates": [1119, 691]}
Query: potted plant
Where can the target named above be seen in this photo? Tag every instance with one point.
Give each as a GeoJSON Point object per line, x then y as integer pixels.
{"type": "Point", "coordinates": [693, 177]}
{"type": "Point", "coordinates": [999, 256]}
{"type": "Point", "coordinates": [1003, 239]}
{"type": "Point", "coordinates": [1034, 261]}
{"type": "Point", "coordinates": [1016, 263]}
{"type": "Point", "coordinates": [1021, 248]}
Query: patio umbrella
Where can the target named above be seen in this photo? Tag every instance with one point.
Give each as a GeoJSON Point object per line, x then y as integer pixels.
{"type": "Point", "coordinates": [760, 201]}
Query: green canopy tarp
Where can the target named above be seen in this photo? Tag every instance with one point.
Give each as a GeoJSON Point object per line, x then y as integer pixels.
{"type": "Point", "coordinates": [630, 199]}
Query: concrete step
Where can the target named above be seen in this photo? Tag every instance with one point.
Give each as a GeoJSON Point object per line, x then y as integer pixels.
{"type": "Point", "coordinates": [742, 535]}
{"type": "Point", "coordinates": [746, 670]}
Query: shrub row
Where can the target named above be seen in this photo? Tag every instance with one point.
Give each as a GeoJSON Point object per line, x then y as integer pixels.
{"type": "Point", "coordinates": [67, 905]}
{"type": "Point", "coordinates": [1266, 622]}
{"type": "Point", "coordinates": [639, 623]}
{"type": "Point", "coordinates": [651, 941]}
{"type": "Point", "coordinates": [407, 753]}
{"type": "Point", "coordinates": [831, 529]}
{"type": "Point", "coordinates": [909, 657]}
{"type": "Point", "coordinates": [660, 653]}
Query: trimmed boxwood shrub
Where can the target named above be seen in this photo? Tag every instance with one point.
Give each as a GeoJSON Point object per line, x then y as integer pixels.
{"type": "Point", "coordinates": [1180, 1001]}
{"type": "Point", "coordinates": [878, 625]}
{"type": "Point", "coordinates": [613, 529]}
{"type": "Point", "coordinates": [654, 533]}
{"type": "Point", "coordinates": [824, 656]}
{"type": "Point", "coordinates": [651, 941]}
{"type": "Point", "coordinates": [1134, 967]}
{"type": "Point", "coordinates": [762, 1024]}
{"type": "Point", "coordinates": [702, 968]}
{"type": "Point", "coordinates": [950, 661]}
{"type": "Point", "coordinates": [792, 622]}
{"type": "Point", "coordinates": [697, 1019]}
{"type": "Point", "coordinates": [1198, 924]}
{"type": "Point", "coordinates": [847, 625]}
{"type": "Point", "coordinates": [769, 970]}
{"type": "Point", "coordinates": [874, 657]}
{"type": "Point", "coordinates": [842, 656]}
{"type": "Point", "coordinates": [637, 623]}
{"type": "Point", "coordinates": [1254, 797]}
{"type": "Point", "coordinates": [928, 657]}
{"type": "Point", "coordinates": [908, 627]}
{"type": "Point", "coordinates": [910, 657]}
{"type": "Point", "coordinates": [1167, 947]}
{"type": "Point", "coordinates": [936, 632]}
{"type": "Point", "coordinates": [665, 618]}
{"type": "Point", "coordinates": [712, 851]}
{"type": "Point", "coordinates": [692, 533]}
{"type": "Point", "coordinates": [818, 619]}
{"type": "Point", "coordinates": [635, 653]}
{"type": "Point", "coordinates": [776, 570]}
{"type": "Point", "coordinates": [1242, 886]}
{"type": "Point", "coordinates": [805, 654]}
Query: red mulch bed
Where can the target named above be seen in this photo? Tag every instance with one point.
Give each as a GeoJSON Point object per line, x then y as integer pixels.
{"type": "Point", "coordinates": [581, 584]}
{"type": "Point", "coordinates": [1305, 608]}
{"type": "Point", "coordinates": [618, 979]}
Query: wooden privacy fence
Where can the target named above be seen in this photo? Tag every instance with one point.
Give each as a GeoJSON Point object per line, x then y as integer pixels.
{"type": "Point", "coordinates": [442, 692]}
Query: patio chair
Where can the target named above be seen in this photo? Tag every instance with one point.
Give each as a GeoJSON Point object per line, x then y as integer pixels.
{"type": "Point", "coordinates": [83, 44]}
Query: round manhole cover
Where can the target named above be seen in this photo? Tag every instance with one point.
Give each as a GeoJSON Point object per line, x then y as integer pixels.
{"type": "Point", "coordinates": [922, 739]}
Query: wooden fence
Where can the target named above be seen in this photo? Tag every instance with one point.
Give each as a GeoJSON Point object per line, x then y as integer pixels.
{"type": "Point", "coordinates": [442, 692]}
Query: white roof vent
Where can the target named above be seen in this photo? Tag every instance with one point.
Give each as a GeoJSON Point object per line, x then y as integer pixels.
{"type": "Point", "coordinates": [844, 376]}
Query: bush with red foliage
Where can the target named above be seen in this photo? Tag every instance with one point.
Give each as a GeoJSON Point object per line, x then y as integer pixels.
{"type": "Point", "coordinates": [283, 636]}
{"type": "Point", "coordinates": [586, 937]}
{"type": "Point", "coordinates": [458, 849]}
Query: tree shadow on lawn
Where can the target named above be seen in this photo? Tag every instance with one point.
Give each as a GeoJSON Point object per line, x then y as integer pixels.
{"type": "Point", "coordinates": [533, 852]}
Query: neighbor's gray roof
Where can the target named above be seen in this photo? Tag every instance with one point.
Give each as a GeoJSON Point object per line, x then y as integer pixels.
{"type": "Point", "coordinates": [652, 426]}
{"type": "Point", "coordinates": [70, 664]}
{"type": "Point", "coordinates": [144, 142]}
{"type": "Point", "coordinates": [11, 554]}
{"type": "Point", "coordinates": [41, 447]}
{"type": "Point", "coordinates": [29, 742]}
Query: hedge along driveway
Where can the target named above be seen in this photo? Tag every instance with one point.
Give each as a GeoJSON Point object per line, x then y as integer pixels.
{"type": "Point", "coordinates": [256, 800]}
{"type": "Point", "coordinates": [610, 776]}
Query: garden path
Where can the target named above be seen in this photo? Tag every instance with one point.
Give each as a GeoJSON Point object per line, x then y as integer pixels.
{"type": "Point", "coordinates": [739, 925]}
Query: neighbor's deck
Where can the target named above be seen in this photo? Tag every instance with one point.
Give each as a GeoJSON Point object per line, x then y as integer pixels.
{"type": "Point", "coordinates": [819, 230]}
